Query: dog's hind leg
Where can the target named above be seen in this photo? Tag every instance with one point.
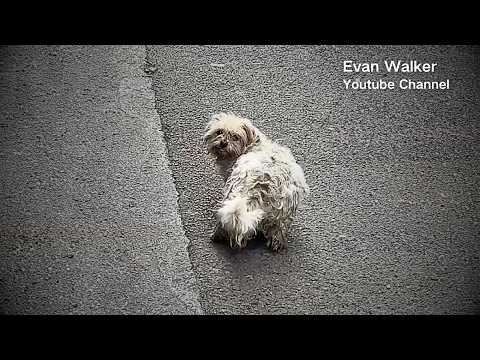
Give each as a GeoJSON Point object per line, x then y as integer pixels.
{"type": "Point", "coordinates": [277, 237]}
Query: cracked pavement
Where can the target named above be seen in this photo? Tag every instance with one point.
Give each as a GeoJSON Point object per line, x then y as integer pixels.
{"type": "Point", "coordinates": [89, 220]}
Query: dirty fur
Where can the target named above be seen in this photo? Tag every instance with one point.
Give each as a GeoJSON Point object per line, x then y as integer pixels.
{"type": "Point", "coordinates": [264, 185]}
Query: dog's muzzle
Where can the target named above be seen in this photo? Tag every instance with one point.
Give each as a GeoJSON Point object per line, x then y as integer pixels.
{"type": "Point", "coordinates": [222, 144]}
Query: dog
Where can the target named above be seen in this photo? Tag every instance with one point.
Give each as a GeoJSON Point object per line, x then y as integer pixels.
{"type": "Point", "coordinates": [264, 185]}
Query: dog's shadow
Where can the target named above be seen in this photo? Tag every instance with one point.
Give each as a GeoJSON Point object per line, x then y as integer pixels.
{"type": "Point", "coordinates": [259, 241]}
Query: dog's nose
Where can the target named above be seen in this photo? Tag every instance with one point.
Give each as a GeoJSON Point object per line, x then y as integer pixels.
{"type": "Point", "coordinates": [223, 143]}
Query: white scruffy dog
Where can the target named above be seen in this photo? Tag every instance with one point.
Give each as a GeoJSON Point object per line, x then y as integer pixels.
{"type": "Point", "coordinates": [263, 183]}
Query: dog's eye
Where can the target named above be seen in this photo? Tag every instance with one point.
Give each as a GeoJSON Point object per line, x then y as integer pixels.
{"type": "Point", "coordinates": [218, 132]}
{"type": "Point", "coordinates": [235, 137]}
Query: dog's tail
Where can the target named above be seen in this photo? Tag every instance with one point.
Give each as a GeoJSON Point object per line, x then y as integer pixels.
{"type": "Point", "coordinates": [239, 218]}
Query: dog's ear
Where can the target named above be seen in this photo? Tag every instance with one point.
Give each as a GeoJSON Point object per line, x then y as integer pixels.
{"type": "Point", "coordinates": [208, 128]}
{"type": "Point", "coordinates": [206, 135]}
{"type": "Point", "coordinates": [250, 134]}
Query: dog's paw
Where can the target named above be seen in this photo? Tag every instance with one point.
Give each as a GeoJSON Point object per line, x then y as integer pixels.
{"type": "Point", "coordinates": [277, 246]}
{"type": "Point", "coordinates": [238, 245]}
{"type": "Point", "coordinates": [218, 234]}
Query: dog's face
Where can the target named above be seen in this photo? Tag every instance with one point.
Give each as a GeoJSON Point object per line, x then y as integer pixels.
{"type": "Point", "coordinates": [227, 136]}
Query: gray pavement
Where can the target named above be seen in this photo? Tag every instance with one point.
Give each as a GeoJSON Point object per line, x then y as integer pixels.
{"type": "Point", "coordinates": [108, 195]}
{"type": "Point", "coordinates": [392, 225]}
{"type": "Point", "coordinates": [88, 218]}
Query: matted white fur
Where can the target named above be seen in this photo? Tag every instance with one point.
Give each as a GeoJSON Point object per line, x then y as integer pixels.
{"type": "Point", "coordinates": [264, 185]}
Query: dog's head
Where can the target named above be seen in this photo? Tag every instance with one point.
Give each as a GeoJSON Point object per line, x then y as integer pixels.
{"type": "Point", "coordinates": [228, 136]}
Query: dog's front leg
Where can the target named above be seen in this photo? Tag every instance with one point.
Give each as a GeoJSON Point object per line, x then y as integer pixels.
{"type": "Point", "coordinates": [219, 234]}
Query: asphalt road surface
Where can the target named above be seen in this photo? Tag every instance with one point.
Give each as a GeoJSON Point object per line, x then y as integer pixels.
{"type": "Point", "coordinates": [89, 220]}
{"type": "Point", "coordinates": [392, 224]}
{"type": "Point", "coordinates": [108, 195]}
